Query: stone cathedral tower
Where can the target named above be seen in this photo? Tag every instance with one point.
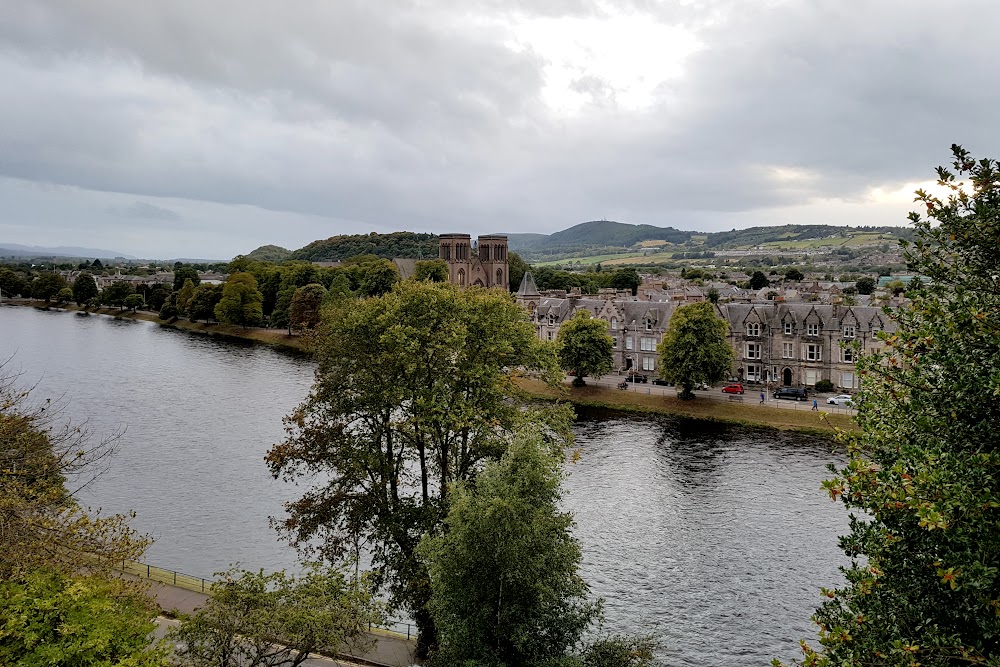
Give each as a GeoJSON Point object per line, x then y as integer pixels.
{"type": "Point", "coordinates": [486, 268]}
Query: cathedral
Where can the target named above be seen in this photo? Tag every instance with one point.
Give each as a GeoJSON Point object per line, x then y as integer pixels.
{"type": "Point", "coordinates": [482, 265]}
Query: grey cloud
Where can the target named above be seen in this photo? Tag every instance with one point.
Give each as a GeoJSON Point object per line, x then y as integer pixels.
{"type": "Point", "coordinates": [146, 211]}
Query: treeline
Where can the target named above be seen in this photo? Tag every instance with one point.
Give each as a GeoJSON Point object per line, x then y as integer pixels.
{"type": "Point", "coordinates": [547, 278]}
{"type": "Point", "coordinates": [388, 246]}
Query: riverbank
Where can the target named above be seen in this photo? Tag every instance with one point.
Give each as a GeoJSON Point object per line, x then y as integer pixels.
{"type": "Point", "coordinates": [748, 414]}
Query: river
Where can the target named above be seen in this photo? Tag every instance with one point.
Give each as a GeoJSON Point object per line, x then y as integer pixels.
{"type": "Point", "coordinates": [717, 539]}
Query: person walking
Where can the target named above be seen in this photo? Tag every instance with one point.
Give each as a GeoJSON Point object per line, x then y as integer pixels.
{"type": "Point", "coordinates": [815, 404]}
{"type": "Point", "coordinates": [762, 398]}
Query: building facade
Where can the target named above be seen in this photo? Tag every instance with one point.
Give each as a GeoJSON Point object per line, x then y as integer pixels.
{"type": "Point", "coordinates": [483, 264]}
{"type": "Point", "coordinates": [779, 344]}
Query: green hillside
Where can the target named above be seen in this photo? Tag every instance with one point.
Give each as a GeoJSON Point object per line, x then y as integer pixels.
{"type": "Point", "coordinates": [396, 244]}
{"type": "Point", "coordinates": [270, 253]}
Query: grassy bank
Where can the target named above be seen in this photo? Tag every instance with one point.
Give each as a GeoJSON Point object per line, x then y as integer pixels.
{"type": "Point", "coordinates": [705, 409]}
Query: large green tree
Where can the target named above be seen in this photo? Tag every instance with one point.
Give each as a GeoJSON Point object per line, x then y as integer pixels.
{"type": "Point", "coordinates": [585, 346]}
{"type": "Point", "coordinates": [505, 587]}
{"type": "Point", "coordinates": [434, 270]}
{"type": "Point", "coordinates": [47, 285]}
{"type": "Point", "coordinates": [253, 619]}
{"type": "Point", "coordinates": [11, 283]}
{"type": "Point", "coordinates": [304, 310]}
{"type": "Point", "coordinates": [184, 296]}
{"type": "Point", "coordinates": [414, 392]}
{"type": "Point", "coordinates": [203, 302]}
{"type": "Point", "coordinates": [694, 348]}
{"type": "Point", "coordinates": [116, 293]}
{"type": "Point", "coordinates": [185, 272]}
{"type": "Point", "coordinates": [923, 586]}
{"type": "Point", "coordinates": [241, 301]}
{"type": "Point", "coordinates": [84, 288]}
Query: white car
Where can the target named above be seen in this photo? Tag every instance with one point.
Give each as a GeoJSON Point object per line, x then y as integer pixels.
{"type": "Point", "coordinates": [842, 399]}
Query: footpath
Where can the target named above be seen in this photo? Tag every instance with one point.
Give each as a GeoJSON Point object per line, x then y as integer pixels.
{"type": "Point", "coordinates": [390, 650]}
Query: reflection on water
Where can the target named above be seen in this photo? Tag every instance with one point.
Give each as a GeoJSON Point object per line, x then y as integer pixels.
{"type": "Point", "coordinates": [715, 538]}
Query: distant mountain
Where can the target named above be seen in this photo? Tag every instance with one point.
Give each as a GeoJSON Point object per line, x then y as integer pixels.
{"type": "Point", "coordinates": [29, 251]}
{"type": "Point", "coordinates": [598, 234]}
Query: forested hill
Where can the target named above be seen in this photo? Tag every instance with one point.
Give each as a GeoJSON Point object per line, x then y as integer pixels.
{"type": "Point", "coordinates": [599, 233]}
{"type": "Point", "coordinates": [396, 244]}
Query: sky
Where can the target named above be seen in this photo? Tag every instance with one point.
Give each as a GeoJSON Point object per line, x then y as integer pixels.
{"type": "Point", "coordinates": [206, 129]}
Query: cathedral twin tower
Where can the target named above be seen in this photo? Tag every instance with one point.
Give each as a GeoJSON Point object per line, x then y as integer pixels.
{"type": "Point", "coordinates": [486, 268]}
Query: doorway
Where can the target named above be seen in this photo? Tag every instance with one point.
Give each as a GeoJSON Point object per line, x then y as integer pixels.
{"type": "Point", "coordinates": [786, 377]}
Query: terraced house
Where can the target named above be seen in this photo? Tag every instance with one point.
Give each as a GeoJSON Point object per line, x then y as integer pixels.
{"type": "Point", "coordinates": [786, 344]}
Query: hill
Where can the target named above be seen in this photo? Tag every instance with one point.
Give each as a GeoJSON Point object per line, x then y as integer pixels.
{"type": "Point", "coordinates": [269, 253]}
{"type": "Point", "coordinates": [397, 244]}
{"type": "Point", "coordinates": [30, 251]}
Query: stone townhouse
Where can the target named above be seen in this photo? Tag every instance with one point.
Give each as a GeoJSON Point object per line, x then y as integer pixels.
{"type": "Point", "coordinates": [787, 344]}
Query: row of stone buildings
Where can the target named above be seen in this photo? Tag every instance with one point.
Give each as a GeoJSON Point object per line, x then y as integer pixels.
{"type": "Point", "coordinates": [775, 342]}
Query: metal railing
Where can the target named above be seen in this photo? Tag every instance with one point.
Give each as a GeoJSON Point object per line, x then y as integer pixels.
{"type": "Point", "coordinates": [402, 629]}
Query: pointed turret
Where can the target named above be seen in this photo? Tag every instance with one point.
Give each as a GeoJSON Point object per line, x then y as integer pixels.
{"type": "Point", "coordinates": [528, 288]}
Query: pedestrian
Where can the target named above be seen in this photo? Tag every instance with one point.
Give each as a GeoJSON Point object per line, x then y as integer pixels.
{"type": "Point", "coordinates": [815, 404]}
{"type": "Point", "coordinates": [762, 398]}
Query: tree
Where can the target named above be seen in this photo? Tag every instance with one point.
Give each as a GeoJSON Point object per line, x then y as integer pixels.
{"type": "Point", "coordinates": [626, 279]}
{"type": "Point", "coordinates": [793, 275]}
{"type": "Point", "coordinates": [413, 393]}
{"type": "Point", "coordinates": [585, 347]}
{"type": "Point", "coordinates": [184, 296]}
{"type": "Point", "coordinates": [694, 348]}
{"type": "Point", "coordinates": [184, 272]}
{"type": "Point", "coordinates": [505, 587]}
{"type": "Point", "coordinates": [267, 620]}
{"type": "Point", "coordinates": [168, 311]}
{"type": "Point", "coordinates": [303, 313]}
{"type": "Point", "coordinates": [517, 267]}
{"type": "Point", "coordinates": [713, 296]}
{"type": "Point", "coordinates": [378, 278]}
{"type": "Point", "coordinates": [434, 270]}
{"type": "Point", "coordinates": [241, 301]}
{"type": "Point", "coordinates": [96, 265]}
{"type": "Point", "coordinates": [156, 297]}
{"type": "Point", "coordinates": [46, 286]}
{"type": "Point", "coordinates": [279, 317]}
{"type": "Point", "coordinates": [116, 293]}
{"type": "Point", "coordinates": [51, 618]}
{"type": "Point", "coordinates": [84, 288]}
{"type": "Point", "coordinates": [133, 302]}
{"type": "Point", "coordinates": [203, 301]}
{"type": "Point", "coordinates": [758, 280]}
{"type": "Point", "coordinates": [924, 580]}
{"type": "Point", "coordinates": [865, 285]}
{"type": "Point", "coordinates": [11, 284]}
{"type": "Point", "coordinates": [65, 295]}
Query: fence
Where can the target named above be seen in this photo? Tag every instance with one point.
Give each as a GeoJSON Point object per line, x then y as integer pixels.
{"type": "Point", "coordinates": [202, 585]}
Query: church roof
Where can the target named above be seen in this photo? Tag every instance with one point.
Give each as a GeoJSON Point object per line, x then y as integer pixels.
{"type": "Point", "coordinates": [528, 287]}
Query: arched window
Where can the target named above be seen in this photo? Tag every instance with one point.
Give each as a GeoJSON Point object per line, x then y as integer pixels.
{"type": "Point", "coordinates": [499, 276]}
{"type": "Point", "coordinates": [461, 277]}
{"type": "Point", "coordinates": [753, 328]}
{"type": "Point", "coordinates": [614, 324]}
{"type": "Point", "coordinates": [484, 253]}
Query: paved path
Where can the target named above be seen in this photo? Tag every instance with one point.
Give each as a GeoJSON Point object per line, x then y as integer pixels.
{"type": "Point", "coordinates": [389, 650]}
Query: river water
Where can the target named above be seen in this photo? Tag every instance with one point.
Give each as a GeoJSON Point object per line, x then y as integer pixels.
{"type": "Point", "coordinates": [714, 538]}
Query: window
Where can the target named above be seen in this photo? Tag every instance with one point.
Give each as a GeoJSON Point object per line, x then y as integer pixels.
{"type": "Point", "coordinates": [848, 331]}
{"type": "Point", "coordinates": [753, 372]}
{"type": "Point", "coordinates": [789, 328]}
{"type": "Point", "coordinates": [628, 342]}
{"type": "Point", "coordinates": [614, 340]}
{"type": "Point", "coordinates": [552, 319]}
{"type": "Point", "coordinates": [649, 363]}
{"type": "Point", "coordinates": [614, 324]}
{"type": "Point", "coordinates": [647, 344]}
{"type": "Point", "coordinates": [812, 329]}
{"type": "Point", "coordinates": [499, 277]}
{"type": "Point", "coordinates": [847, 381]}
{"type": "Point", "coordinates": [753, 329]}
{"type": "Point", "coordinates": [814, 353]}
{"type": "Point", "coordinates": [876, 326]}
{"type": "Point", "coordinates": [753, 350]}
{"type": "Point", "coordinates": [787, 350]}
{"type": "Point", "coordinates": [847, 355]}
{"type": "Point", "coordinates": [461, 277]}
{"type": "Point", "coordinates": [649, 324]}
{"type": "Point", "coordinates": [550, 335]}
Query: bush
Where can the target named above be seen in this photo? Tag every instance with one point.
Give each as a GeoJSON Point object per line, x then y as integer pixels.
{"type": "Point", "coordinates": [824, 386]}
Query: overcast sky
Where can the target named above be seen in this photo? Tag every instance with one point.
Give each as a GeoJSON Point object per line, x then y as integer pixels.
{"type": "Point", "coordinates": [205, 129]}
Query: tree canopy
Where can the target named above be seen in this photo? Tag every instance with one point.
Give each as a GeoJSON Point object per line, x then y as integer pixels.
{"type": "Point", "coordinates": [241, 301]}
{"type": "Point", "coordinates": [585, 346]}
{"type": "Point", "coordinates": [694, 349]}
{"type": "Point", "coordinates": [84, 288]}
{"type": "Point", "coordinates": [923, 586]}
{"type": "Point", "coordinates": [185, 272]}
{"type": "Point", "coordinates": [414, 392]}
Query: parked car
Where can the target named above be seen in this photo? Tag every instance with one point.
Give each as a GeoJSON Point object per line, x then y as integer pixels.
{"type": "Point", "coordinates": [791, 393]}
{"type": "Point", "coordinates": [842, 399]}
{"type": "Point", "coordinates": [661, 382]}
{"type": "Point", "coordinates": [635, 377]}
{"type": "Point", "coordinates": [734, 388]}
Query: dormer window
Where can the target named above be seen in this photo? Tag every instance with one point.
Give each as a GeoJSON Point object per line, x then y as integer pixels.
{"type": "Point", "coordinates": [649, 324]}
{"type": "Point", "coordinates": [848, 331]}
{"type": "Point", "coordinates": [789, 328]}
{"type": "Point", "coordinates": [753, 328]}
{"type": "Point", "coordinates": [552, 319]}
{"type": "Point", "coordinates": [614, 324]}
{"type": "Point", "coordinates": [812, 329]}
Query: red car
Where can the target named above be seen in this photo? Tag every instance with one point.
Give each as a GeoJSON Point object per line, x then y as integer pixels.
{"type": "Point", "coordinates": [733, 389]}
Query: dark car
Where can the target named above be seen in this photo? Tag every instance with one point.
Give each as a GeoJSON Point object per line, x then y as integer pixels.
{"type": "Point", "coordinates": [791, 393]}
{"type": "Point", "coordinates": [637, 378]}
{"type": "Point", "coordinates": [661, 382]}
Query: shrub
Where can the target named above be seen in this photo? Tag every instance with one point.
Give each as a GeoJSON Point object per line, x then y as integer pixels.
{"type": "Point", "coordinates": [824, 386]}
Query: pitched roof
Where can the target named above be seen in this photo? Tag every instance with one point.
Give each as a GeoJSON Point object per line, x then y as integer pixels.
{"type": "Point", "coordinates": [528, 287]}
